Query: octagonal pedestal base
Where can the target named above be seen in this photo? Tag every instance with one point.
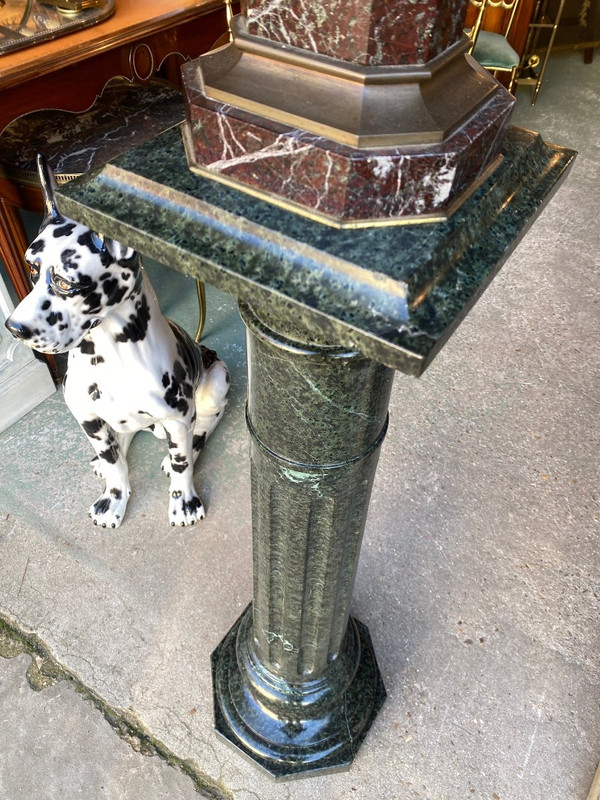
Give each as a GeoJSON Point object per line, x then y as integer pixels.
{"type": "Point", "coordinates": [292, 730]}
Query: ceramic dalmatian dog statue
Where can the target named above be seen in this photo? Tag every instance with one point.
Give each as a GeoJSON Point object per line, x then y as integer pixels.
{"type": "Point", "coordinates": [129, 368]}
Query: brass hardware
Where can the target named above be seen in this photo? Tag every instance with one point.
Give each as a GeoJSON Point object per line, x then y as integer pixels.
{"type": "Point", "coordinates": [73, 6]}
{"type": "Point", "coordinates": [133, 58]}
{"type": "Point", "coordinates": [229, 17]}
{"type": "Point", "coordinates": [201, 293]}
{"type": "Point", "coordinates": [347, 103]}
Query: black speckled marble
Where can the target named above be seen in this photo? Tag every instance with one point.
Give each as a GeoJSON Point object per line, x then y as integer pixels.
{"type": "Point", "coordinates": [126, 114]}
{"type": "Point", "coordinates": [395, 293]}
{"type": "Point", "coordinates": [310, 728]}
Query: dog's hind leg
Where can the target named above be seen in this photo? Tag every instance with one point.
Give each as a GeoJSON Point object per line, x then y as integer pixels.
{"type": "Point", "coordinates": [210, 399]}
{"type": "Point", "coordinates": [109, 509]}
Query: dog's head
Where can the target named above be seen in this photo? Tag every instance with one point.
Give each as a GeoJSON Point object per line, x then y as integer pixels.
{"type": "Point", "coordinates": [79, 277]}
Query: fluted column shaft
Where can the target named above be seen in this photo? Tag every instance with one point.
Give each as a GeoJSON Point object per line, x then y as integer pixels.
{"type": "Point", "coordinates": [296, 682]}
{"type": "Point", "coordinates": [316, 416]}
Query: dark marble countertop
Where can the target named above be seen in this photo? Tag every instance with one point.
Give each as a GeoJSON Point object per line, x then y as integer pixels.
{"type": "Point", "coordinates": [395, 293]}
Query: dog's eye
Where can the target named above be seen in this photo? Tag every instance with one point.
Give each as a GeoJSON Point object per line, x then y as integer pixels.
{"type": "Point", "coordinates": [62, 284]}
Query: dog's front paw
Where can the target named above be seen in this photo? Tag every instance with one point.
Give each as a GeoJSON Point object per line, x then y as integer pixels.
{"type": "Point", "coordinates": [185, 508]}
{"type": "Point", "coordinates": [109, 509]}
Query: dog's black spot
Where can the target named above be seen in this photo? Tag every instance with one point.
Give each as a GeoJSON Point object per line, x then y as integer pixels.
{"type": "Point", "coordinates": [126, 276]}
{"type": "Point", "coordinates": [116, 493]}
{"type": "Point", "coordinates": [90, 240]}
{"type": "Point", "coordinates": [111, 454]}
{"type": "Point", "coordinates": [102, 505]}
{"type": "Point", "coordinates": [132, 262]}
{"type": "Point", "coordinates": [63, 327]}
{"type": "Point", "coordinates": [93, 427]}
{"type": "Point", "coordinates": [122, 421]}
{"type": "Point", "coordinates": [135, 329]}
{"type": "Point", "coordinates": [87, 324]}
{"type": "Point", "coordinates": [46, 305]}
{"type": "Point", "coordinates": [97, 360]}
{"type": "Point", "coordinates": [93, 301]}
{"type": "Point", "coordinates": [69, 258]}
{"type": "Point", "coordinates": [178, 389]}
{"type": "Point", "coordinates": [54, 317]}
{"type": "Point", "coordinates": [179, 467]}
{"type": "Point", "coordinates": [170, 443]}
{"type": "Point", "coordinates": [87, 347]}
{"type": "Point", "coordinates": [208, 356]}
{"type": "Point", "coordinates": [94, 392]}
{"type": "Point", "coordinates": [198, 442]}
{"type": "Point", "coordinates": [104, 276]}
{"type": "Point", "coordinates": [178, 371]}
{"type": "Point", "coordinates": [176, 493]}
{"type": "Point", "coordinates": [37, 246]}
{"type": "Point", "coordinates": [95, 244]}
{"type": "Point", "coordinates": [190, 506]}
{"type": "Point", "coordinates": [166, 380]}
{"type": "Point", "coordinates": [64, 230]}
{"type": "Point", "coordinates": [114, 291]}
{"type": "Point", "coordinates": [188, 351]}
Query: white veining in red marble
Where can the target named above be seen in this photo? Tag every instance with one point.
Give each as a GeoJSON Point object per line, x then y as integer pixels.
{"type": "Point", "coordinates": [367, 32]}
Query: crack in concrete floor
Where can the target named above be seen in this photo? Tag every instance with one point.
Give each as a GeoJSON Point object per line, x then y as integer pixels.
{"type": "Point", "coordinates": [45, 671]}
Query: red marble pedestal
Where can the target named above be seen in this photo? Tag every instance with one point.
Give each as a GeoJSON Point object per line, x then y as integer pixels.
{"type": "Point", "coordinates": [355, 113]}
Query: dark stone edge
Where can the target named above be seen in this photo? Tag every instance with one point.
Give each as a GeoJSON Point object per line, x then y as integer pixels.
{"type": "Point", "coordinates": [340, 761]}
{"type": "Point", "coordinates": [402, 350]}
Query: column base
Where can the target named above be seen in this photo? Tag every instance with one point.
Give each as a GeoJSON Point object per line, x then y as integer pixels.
{"type": "Point", "coordinates": [292, 730]}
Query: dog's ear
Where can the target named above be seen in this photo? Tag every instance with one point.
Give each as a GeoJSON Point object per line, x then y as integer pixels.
{"type": "Point", "coordinates": [123, 255]}
{"type": "Point", "coordinates": [52, 213]}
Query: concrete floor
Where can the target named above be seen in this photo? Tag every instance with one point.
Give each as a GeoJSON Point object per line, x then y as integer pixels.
{"type": "Point", "coordinates": [479, 577]}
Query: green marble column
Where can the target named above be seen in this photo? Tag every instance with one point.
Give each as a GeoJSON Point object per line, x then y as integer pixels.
{"type": "Point", "coordinates": [296, 682]}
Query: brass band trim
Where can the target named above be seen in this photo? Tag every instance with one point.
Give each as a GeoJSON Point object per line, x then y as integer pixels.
{"type": "Point", "coordinates": [295, 56]}
{"type": "Point", "coordinates": [390, 106]}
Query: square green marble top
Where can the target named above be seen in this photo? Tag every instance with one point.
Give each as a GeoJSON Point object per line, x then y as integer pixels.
{"type": "Point", "coordinates": [395, 293]}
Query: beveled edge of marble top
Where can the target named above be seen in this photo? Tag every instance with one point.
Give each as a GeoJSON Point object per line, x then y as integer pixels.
{"type": "Point", "coordinates": [396, 294]}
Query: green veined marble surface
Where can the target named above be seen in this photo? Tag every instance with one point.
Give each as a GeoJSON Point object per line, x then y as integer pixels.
{"type": "Point", "coordinates": [395, 293]}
